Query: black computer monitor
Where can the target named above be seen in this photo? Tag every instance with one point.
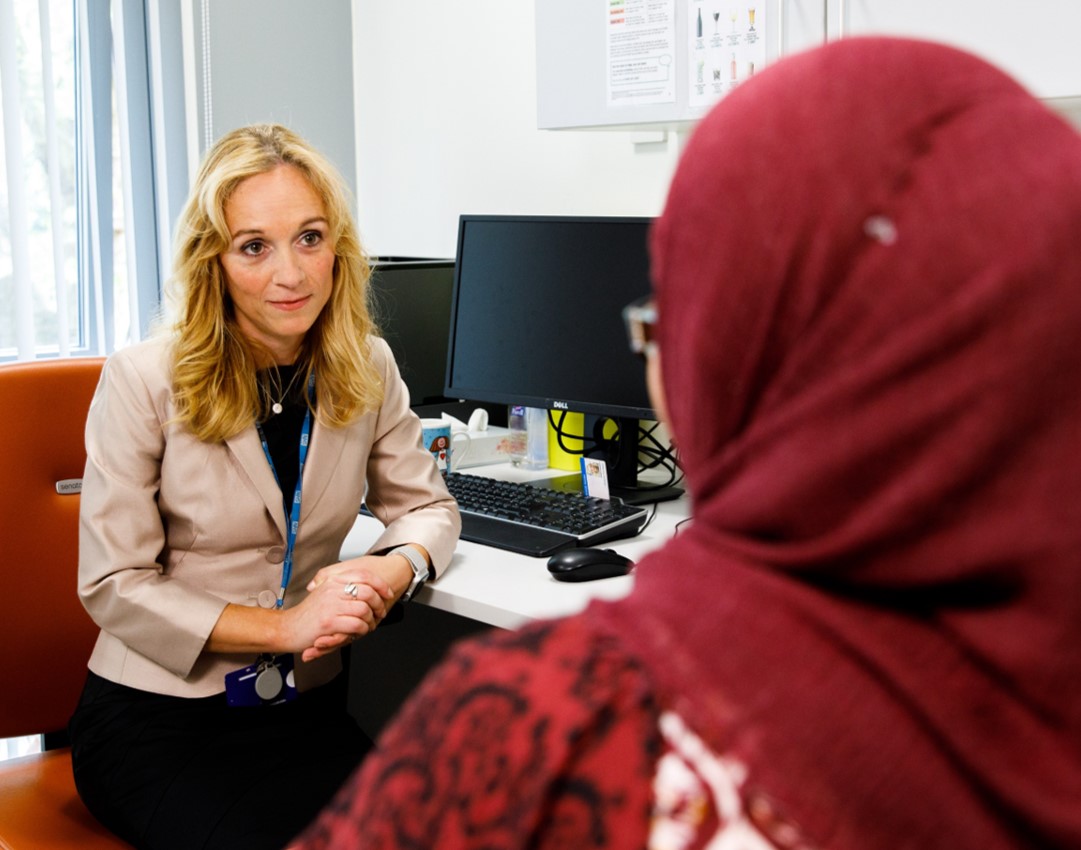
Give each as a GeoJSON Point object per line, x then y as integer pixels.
{"type": "Point", "coordinates": [410, 300]}
{"type": "Point", "coordinates": [537, 320]}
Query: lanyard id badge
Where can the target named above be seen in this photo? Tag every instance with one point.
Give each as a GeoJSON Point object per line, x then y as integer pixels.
{"type": "Point", "coordinates": [292, 520]}
{"type": "Point", "coordinates": [270, 680]}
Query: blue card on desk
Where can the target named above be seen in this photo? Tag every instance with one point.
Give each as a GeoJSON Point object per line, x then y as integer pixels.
{"type": "Point", "coordinates": [594, 478]}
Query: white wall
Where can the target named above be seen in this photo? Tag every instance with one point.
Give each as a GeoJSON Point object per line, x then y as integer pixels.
{"type": "Point", "coordinates": [446, 123]}
{"type": "Point", "coordinates": [287, 61]}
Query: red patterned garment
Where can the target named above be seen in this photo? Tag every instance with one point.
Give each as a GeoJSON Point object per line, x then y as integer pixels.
{"type": "Point", "coordinates": [546, 738]}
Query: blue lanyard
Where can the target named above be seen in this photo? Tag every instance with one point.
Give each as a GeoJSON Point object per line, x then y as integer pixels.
{"type": "Point", "coordinates": [293, 519]}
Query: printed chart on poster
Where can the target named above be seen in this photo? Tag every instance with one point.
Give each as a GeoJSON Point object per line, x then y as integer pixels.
{"type": "Point", "coordinates": [641, 51]}
{"type": "Point", "coordinates": [726, 45]}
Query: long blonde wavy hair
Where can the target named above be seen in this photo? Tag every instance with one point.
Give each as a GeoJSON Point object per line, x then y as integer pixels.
{"type": "Point", "coordinates": [215, 385]}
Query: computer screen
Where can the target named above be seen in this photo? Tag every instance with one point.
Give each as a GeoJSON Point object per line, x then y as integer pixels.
{"type": "Point", "coordinates": [411, 302]}
{"type": "Point", "coordinates": [537, 317]}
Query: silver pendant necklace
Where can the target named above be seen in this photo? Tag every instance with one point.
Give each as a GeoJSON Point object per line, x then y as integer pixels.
{"type": "Point", "coordinates": [275, 376]}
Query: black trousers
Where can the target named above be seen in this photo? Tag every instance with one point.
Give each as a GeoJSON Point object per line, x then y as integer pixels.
{"type": "Point", "coordinates": [167, 772]}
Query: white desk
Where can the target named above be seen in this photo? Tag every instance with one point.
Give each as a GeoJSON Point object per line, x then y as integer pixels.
{"type": "Point", "coordinates": [508, 590]}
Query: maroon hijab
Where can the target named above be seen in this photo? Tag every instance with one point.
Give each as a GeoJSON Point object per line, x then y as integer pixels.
{"type": "Point", "coordinates": [868, 276]}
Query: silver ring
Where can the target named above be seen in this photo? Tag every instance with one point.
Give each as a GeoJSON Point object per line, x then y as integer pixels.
{"type": "Point", "coordinates": [352, 590]}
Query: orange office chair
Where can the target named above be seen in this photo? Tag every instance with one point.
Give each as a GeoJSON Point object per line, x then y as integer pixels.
{"type": "Point", "coordinates": [45, 635]}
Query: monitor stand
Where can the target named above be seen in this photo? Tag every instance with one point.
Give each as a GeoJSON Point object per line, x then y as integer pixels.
{"type": "Point", "coordinates": [622, 462]}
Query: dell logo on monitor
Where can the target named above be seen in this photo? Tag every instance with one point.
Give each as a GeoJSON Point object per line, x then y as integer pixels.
{"type": "Point", "coordinates": [560, 405]}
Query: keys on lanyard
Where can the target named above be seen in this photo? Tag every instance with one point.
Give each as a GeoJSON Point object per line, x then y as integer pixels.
{"type": "Point", "coordinates": [293, 517]}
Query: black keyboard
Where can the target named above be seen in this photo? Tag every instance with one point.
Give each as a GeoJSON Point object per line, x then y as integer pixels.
{"type": "Point", "coordinates": [533, 520]}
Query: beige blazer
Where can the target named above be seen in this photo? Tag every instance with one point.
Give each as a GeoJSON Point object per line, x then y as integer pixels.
{"type": "Point", "coordinates": [172, 528]}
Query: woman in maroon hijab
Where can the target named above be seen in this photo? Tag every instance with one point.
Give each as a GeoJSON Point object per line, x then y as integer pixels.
{"type": "Point", "coordinates": [868, 284]}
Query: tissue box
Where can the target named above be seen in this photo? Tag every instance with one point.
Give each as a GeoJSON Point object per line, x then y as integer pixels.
{"type": "Point", "coordinates": [485, 447]}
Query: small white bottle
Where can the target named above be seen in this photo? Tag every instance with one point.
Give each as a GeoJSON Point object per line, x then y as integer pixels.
{"type": "Point", "coordinates": [519, 437]}
{"type": "Point", "coordinates": [536, 456]}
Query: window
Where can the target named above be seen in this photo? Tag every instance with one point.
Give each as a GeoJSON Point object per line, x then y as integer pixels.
{"type": "Point", "coordinates": [37, 215]}
{"type": "Point", "coordinates": [84, 210]}
{"type": "Point", "coordinates": [88, 176]}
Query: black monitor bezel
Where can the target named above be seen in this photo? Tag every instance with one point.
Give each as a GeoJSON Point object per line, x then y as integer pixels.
{"type": "Point", "coordinates": [377, 307]}
{"type": "Point", "coordinates": [606, 409]}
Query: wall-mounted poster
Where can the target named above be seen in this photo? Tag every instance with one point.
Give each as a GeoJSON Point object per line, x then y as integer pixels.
{"type": "Point", "coordinates": [726, 44]}
{"type": "Point", "coordinates": [641, 51]}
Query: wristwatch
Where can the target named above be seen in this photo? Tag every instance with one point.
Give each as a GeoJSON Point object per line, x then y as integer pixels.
{"type": "Point", "coordinates": [420, 567]}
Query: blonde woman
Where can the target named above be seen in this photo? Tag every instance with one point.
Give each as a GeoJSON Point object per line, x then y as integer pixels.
{"type": "Point", "coordinates": [226, 461]}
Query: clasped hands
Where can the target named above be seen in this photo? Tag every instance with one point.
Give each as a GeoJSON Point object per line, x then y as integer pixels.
{"type": "Point", "coordinates": [345, 601]}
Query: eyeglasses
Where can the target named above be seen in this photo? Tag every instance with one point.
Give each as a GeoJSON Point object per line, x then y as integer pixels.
{"type": "Point", "coordinates": [640, 317]}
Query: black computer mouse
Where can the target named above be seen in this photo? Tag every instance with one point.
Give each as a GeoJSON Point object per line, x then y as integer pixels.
{"type": "Point", "coordinates": [588, 564]}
